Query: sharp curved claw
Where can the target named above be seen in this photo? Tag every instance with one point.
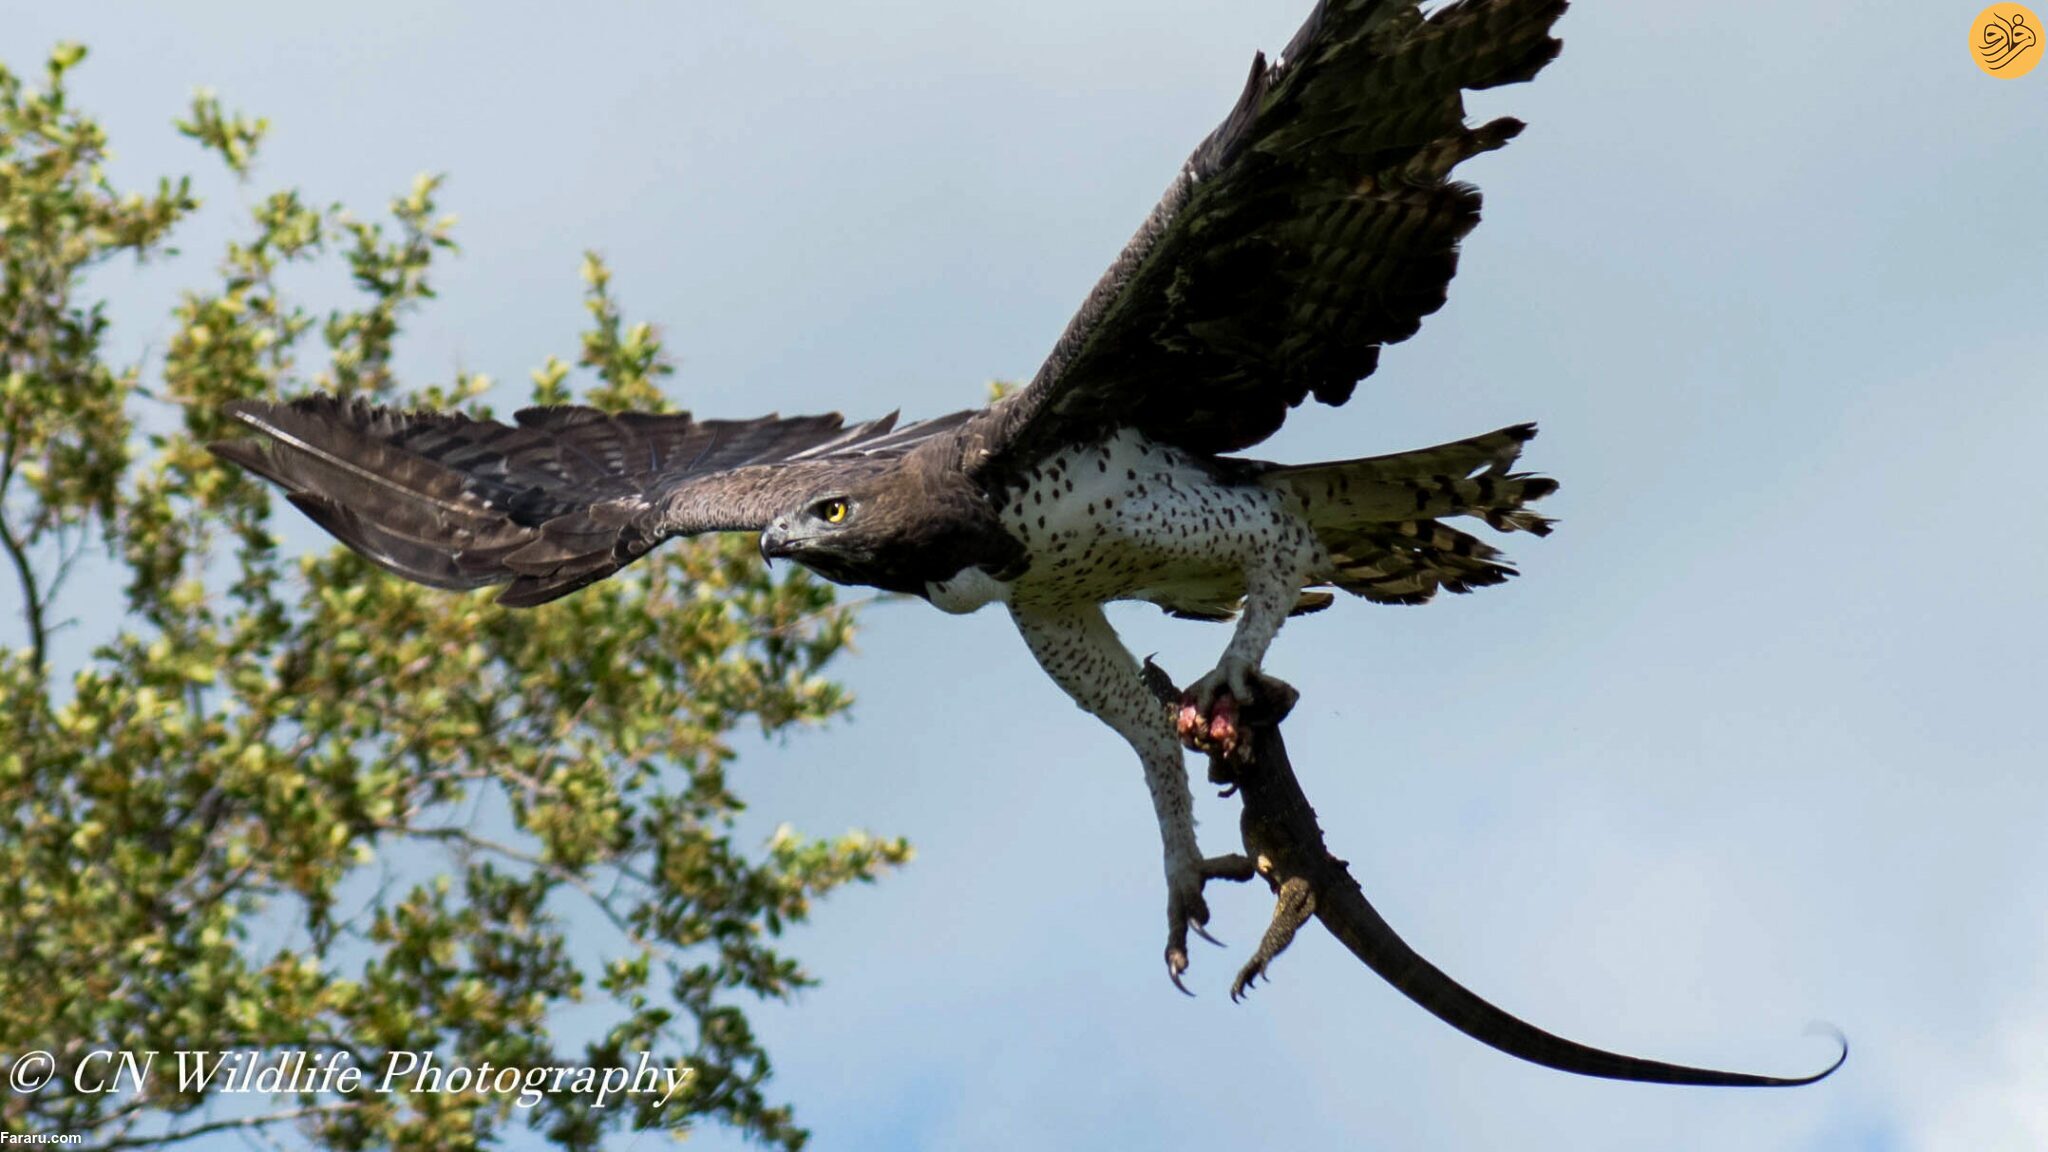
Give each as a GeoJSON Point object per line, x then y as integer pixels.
{"type": "Point", "coordinates": [1187, 911]}
{"type": "Point", "coordinates": [1245, 980]}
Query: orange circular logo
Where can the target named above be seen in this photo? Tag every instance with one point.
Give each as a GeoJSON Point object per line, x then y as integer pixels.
{"type": "Point", "coordinates": [2006, 40]}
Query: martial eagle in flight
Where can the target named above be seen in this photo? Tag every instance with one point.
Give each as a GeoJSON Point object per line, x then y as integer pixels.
{"type": "Point", "coordinates": [1316, 224]}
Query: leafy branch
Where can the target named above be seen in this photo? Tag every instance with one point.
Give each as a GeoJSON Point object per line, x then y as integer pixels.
{"type": "Point", "coordinates": [422, 795]}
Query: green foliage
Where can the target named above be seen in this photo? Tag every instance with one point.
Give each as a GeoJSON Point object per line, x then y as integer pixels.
{"type": "Point", "coordinates": [301, 750]}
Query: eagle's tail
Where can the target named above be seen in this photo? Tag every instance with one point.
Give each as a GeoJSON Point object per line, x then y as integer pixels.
{"type": "Point", "coordinates": [1381, 518]}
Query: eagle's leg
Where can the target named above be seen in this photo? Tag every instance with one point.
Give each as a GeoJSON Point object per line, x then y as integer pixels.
{"type": "Point", "coordinates": [1280, 560]}
{"type": "Point", "coordinates": [1080, 651]}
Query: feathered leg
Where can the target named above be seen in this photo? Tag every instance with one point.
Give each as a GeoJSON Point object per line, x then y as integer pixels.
{"type": "Point", "coordinates": [1286, 557]}
{"type": "Point", "coordinates": [1080, 651]}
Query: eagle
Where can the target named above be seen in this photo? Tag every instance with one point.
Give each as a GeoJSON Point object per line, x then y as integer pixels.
{"type": "Point", "coordinates": [1318, 223]}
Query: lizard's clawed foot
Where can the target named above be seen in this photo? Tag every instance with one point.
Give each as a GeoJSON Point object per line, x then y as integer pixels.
{"type": "Point", "coordinates": [1297, 902]}
{"type": "Point", "coordinates": [1186, 909]}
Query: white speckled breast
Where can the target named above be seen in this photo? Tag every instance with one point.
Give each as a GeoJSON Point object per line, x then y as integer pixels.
{"type": "Point", "coordinates": [1129, 519]}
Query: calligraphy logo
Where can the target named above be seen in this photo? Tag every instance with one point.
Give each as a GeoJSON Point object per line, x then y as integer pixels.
{"type": "Point", "coordinates": [2006, 40]}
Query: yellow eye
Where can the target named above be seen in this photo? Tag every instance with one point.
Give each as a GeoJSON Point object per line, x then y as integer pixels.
{"type": "Point", "coordinates": [832, 511]}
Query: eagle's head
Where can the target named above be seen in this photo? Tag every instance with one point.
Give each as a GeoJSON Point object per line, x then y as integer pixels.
{"type": "Point", "coordinates": [838, 535]}
{"type": "Point", "coordinates": [898, 531]}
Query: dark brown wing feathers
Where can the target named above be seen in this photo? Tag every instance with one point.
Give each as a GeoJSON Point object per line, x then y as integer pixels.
{"type": "Point", "coordinates": [1316, 224]}
{"type": "Point", "coordinates": [559, 499]}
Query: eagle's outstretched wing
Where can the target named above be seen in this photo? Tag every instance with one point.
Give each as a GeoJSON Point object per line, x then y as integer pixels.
{"type": "Point", "coordinates": [562, 498]}
{"type": "Point", "coordinates": [1315, 224]}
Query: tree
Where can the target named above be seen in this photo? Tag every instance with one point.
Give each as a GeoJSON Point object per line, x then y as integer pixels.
{"type": "Point", "coordinates": [459, 819]}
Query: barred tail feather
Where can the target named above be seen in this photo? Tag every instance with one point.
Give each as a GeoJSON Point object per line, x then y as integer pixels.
{"type": "Point", "coordinates": [1381, 518]}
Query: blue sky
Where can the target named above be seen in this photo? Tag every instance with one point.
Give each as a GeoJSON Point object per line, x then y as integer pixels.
{"type": "Point", "coordinates": [1754, 741]}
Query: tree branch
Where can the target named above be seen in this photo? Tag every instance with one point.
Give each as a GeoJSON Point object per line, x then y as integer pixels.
{"type": "Point", "coordinates": [1285, 845]}
{"type": "Point", "coordinates": [31, 593]}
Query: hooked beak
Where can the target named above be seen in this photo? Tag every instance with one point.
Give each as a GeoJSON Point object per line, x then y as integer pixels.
{"type": "Point", "coordinates": [775, 542]}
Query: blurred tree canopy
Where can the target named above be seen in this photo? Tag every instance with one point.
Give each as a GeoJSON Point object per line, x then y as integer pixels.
{"type": "Point", "coordinates": [257, 815]}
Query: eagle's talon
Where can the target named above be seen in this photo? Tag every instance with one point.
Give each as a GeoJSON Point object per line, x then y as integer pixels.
{"type": "Point", "coordinates": [1177, 955]}
{"type": "Point", "coordinates": [1232, 675]}
{"type": "Point", "coordinates": [1185, 910]}
{"type": "Point", "coordinates": [1209, 718]}
{"type": "Point", "coordinates": [1208, 726]}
